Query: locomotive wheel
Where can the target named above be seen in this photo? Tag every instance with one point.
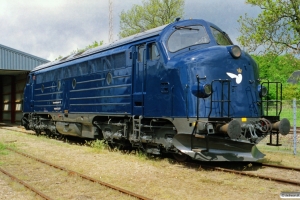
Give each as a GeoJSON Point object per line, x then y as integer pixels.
{"type": "Point", "coordinates": [26, 126]}
{"type": "Point", "coordinates": [181, 157]}
{"type": "Point", "coordinates": [48, 133]}
{"type": "Point", "coordinates": [37, 132]}
{"type": "Point", "coordinates": [111, 147]}
{"type": "Point", "coordinates": [124, 149]}
{"type": "Point", "coordinates": [59, 136]}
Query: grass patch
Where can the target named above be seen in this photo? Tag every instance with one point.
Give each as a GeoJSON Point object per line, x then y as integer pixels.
{"type": "Point", "coordinates": [286, 158]}
{"type": "Point", "coordinates": [98, 145]}
{"type": "Point", "coordinates": [287, 112]}
{"type": "Point", "coordinates": [283, 149]}
{"type": "Point", "coordinates": [3, 150]}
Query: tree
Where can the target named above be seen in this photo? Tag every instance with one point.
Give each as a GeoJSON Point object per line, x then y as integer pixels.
{"type": "Point", "coordinates": [150, 14]}
{"type": "Point", "coordinates": [279, 68]}
{"type": "Point", "coordinates": [276, 29]}
{"type": "Point", "coordinates": [95, 44]}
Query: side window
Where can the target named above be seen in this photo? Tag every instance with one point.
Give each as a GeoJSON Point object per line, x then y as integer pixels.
{"type": "Point", "coordinates": [153, 52]}
{"type": "Point", "coordinates": [141, 53]}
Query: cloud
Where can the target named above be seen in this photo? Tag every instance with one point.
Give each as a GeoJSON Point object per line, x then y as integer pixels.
{"type": "Point", "coordinates": [48, 29]}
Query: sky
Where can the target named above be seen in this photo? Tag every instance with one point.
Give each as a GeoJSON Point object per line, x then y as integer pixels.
{"type": "Point", "coordinates": [53, 28]}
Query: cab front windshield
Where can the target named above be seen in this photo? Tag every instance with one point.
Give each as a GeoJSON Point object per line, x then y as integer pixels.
{"type": "Point", "coordinates": [186, 36]}
{"type": "Point", "coordinates": [220, 37]}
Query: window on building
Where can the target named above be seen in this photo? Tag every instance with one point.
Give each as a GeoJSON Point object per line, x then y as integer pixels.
{"type": "Point", "coordinates": [6, 107]}
{"type": "Point", "coordinates": [18, 107]}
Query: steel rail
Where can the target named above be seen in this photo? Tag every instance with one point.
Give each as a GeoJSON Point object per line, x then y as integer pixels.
{"type": "Point", "coordinates": [280, 167]}
{"type": "Point", "coordinates": [83, 176]}
{"type": "Point", "coordinates": [281, 180]}
{"type": "Point", "coordinates": [25, 184]}
{"type": "Point", "coordinates": [245, 173]}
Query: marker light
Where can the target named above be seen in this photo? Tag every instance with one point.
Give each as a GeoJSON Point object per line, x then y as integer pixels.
{"type": "Point", "coordinates": [235, 51]}
{"type": "Point", "coordinates": [204, 90]}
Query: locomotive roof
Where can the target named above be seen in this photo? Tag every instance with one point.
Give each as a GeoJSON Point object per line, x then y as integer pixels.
{"type": "Point", "coordinates": [123, 41]}
{"type": "Point", "coordinates": [136, 37]}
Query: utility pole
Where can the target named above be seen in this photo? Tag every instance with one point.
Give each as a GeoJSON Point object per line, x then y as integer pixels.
{"type": "Point", "coordinates": [110, 23]}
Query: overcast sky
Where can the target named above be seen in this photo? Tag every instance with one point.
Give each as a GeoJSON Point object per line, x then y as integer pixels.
{"type": "Point", "coordinates": [50, 28]}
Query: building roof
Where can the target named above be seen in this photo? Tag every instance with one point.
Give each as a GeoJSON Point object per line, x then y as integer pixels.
{"type": "Point", "coordinates": [295, 77]}
{"type": "Point", "coordinates": [12, 60]}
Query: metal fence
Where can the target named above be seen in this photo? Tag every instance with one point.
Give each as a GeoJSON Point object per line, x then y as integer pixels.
{"type": "Point", "coordinates": [290, 143]}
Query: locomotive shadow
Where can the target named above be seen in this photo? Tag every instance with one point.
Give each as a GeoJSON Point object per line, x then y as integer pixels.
{"type": "Point", "coordinates": [208, 166]}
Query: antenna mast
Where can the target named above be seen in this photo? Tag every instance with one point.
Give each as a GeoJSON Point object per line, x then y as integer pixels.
{"type": "Point", "coordinates": [110, 23]}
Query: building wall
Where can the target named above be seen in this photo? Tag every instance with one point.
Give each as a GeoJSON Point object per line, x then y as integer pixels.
{"type": "Point", "coordinates": [12, 88]}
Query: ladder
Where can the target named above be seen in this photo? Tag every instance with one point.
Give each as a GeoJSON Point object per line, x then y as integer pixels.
{"type": "Point", "coordinates": [222, 99]}
{"type": "Point", "coordinates": [137, 126]}
{"type": "Point", "coordinates": [276, 103]}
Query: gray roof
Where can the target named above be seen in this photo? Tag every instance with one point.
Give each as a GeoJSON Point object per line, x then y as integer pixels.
{"type": "Point", "coordinates": [12, 59]}
{"type": "Point", "coordinates": [294, 78]}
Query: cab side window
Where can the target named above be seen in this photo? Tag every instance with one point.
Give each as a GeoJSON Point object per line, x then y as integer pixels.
{"type": "Point", "coordinates": [141, 53]}
{"type": "Point", "coordinates": [153, 52]}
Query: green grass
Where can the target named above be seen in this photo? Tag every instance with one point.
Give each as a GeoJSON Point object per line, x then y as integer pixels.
{"type": "Point", "coordinates": [287, 112]}
{"type": "Point", "coordinates": [282, 149]}
{"type": "Point", "coordinates": [98, 145]}
{"type": "Point", "coordinates": [287, 146]}
{"type": "Point", "coordinates": [3, 151]}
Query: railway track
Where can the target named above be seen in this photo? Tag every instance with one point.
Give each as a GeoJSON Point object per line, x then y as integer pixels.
{"type": "Point", "coordinates": [70, 173]}
{"type": "Point", "coordinates": [259, 166]}
{"type": "Point", "coordinates": [36, 191]}
{"type": "Point", "coordinates": [260, 172]}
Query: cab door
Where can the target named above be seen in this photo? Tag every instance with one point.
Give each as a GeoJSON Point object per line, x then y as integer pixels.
{"type": "Point", "coordinates": [139, 65]}
{"type": "Point", "coordinates": [28, 101]}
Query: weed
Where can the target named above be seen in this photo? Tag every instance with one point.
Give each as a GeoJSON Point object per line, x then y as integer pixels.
{"type": "Point", "coordinates": [141, 155]}
{"type": "Point", "coordinates": [99, 145]}
{"type": "Point", "coordinates": [3, 150]}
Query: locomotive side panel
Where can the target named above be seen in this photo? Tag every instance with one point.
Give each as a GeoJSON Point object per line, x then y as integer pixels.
{"type": "Point", "coordinates": [107, 91]}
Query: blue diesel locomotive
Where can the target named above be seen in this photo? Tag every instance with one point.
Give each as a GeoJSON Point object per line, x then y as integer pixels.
{"type": "Point", "coordinates": [182, 88]}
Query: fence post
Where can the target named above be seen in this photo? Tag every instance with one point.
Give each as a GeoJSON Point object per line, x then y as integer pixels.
{"type": "Point", "coordinates": [295, 122]}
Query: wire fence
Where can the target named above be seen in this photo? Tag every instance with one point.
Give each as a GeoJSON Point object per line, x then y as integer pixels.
{"type": "Point", "coordinates": [290, 143]}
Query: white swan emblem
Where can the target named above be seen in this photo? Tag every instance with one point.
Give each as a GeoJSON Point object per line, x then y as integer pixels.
{"type": "Point", "coordinates": [238, 78]}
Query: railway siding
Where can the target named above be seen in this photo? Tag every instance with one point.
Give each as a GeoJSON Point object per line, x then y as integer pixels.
{"type": "Point", "coordinates": [55, 183]}
{"type": "Point", "coordinates": [157, 179]}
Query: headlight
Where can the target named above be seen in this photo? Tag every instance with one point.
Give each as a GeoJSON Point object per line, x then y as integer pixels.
{"type": "Point", "coordinates": [262, 90]}
{"type": "Point", "coordinates": [235, 51]}
{"type": "Point", "coordinates": [204, 90]}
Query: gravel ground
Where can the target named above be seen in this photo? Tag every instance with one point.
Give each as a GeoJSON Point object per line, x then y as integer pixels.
{"type": "Point", "coordinates": [157, 179]}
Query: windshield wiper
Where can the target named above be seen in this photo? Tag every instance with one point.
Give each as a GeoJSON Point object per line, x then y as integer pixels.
{"type": "Point", "coordinates": [186, 27]}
